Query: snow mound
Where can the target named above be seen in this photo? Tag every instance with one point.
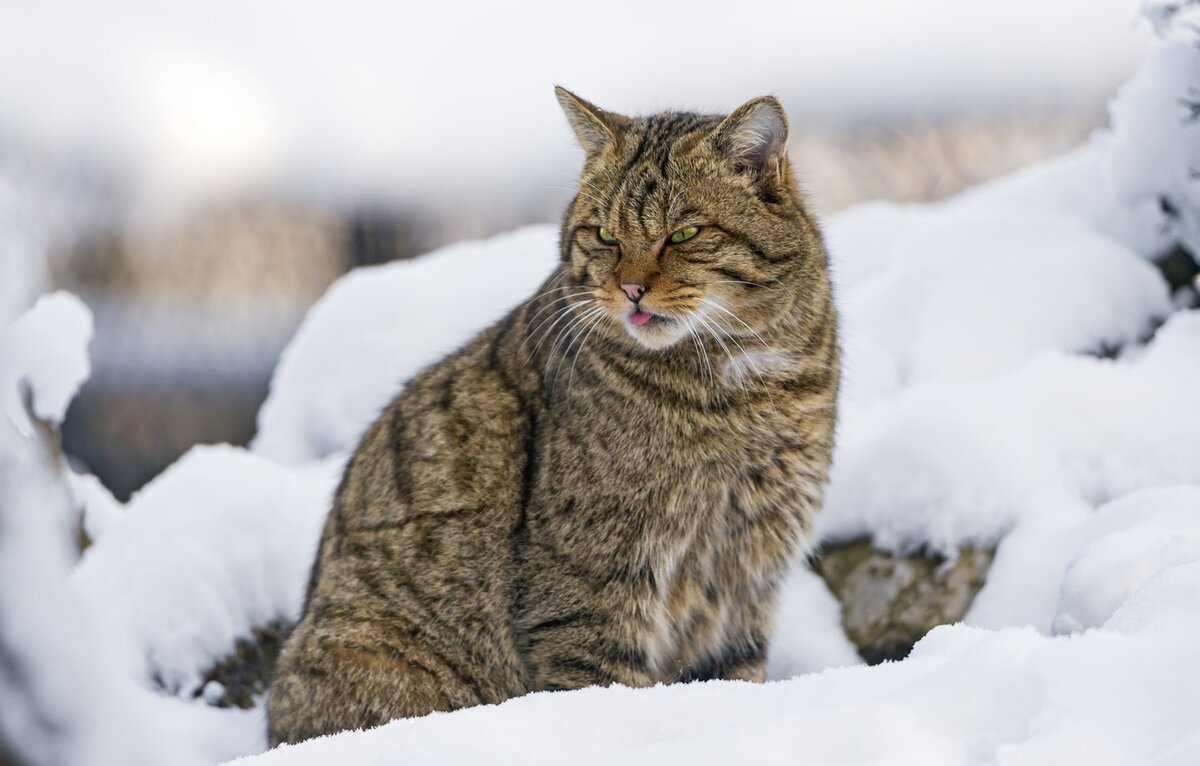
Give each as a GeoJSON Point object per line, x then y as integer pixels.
{"type": "Point", "coordinates": [1118, 695]}
{"type": "Point", "coordinates": [1156, 119]}
{"type": "Point", "coordinates": [62, 699]}
{"type": "Point", "coordinates": [378, 326]}
{"type": "Point", "coordinates": [218, 544]}
{"type": "Point", "coordinates": [947, 463]}
{"type": "Point", "coordinates": [47, 350]}
{"type": "Point", "coordinates": [970, 293]}
{"type": "Point", "coordinates": [1128, 542]}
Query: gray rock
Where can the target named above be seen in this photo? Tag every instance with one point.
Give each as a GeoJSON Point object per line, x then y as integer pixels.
{"type": "Point", "coordinates": [889, 602]}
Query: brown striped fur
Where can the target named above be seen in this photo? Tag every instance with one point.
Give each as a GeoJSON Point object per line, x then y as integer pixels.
{"type": "Point", "coordinates": [571, 499]}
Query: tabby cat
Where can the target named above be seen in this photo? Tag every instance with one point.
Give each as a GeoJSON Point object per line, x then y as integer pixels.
{"type": "Point", "coordinates": [607, 485]}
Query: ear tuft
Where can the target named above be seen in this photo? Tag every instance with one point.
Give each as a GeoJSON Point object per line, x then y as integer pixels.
{"type": "Point", "coordinates": [754, 138]}
{"type": "Point", "coordinates": [594, 127]}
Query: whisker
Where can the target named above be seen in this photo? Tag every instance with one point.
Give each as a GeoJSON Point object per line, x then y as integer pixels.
{"type": "Point", "coordinates": [719, 307]}
{"type": "Point", "coordinates": [563, 334]}
{"type": "Point", "coordinates": [557, 300]}
{"type": "Point", "coordinates": [705, 374]}
{"type": "Point", "coordinates": [712, 374]}
{"type": "Point", "coordinates": [735, 282]}
{"type": "Point", "coordinates": [604, 195]}
{"type": "Point", "coordinates": [552, 304]}
{"type": "Point", "coordinates": [533, 331]}
{"type": "Point", "coordinates": [581, 321]}
{"type": "Point", "coordinates": [750, 359]}
{"type": "Point", "coordinates": [559, 277]}
{"type": "Point", "coordinates": [716, 335]}
{"type": "Point", "coordinates": [582, 343]}
{"type": "Point", "coordinates": [558, 316]}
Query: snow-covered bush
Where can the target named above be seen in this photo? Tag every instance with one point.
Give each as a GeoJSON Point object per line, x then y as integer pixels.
{"type": "Point", "coordinates": [1156, 123]}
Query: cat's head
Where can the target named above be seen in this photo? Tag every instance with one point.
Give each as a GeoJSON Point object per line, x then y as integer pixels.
{"type": "Point", "coordinates": [686, 223]}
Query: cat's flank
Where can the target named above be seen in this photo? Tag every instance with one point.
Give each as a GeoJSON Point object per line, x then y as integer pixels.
{"type": "Point", "coordinates": [607, 485]}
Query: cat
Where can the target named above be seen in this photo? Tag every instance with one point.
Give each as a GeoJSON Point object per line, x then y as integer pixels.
{"type": "Point", "coordinates": [607, 485]}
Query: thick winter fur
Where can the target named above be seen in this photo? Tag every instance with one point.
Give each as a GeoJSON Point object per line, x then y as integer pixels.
{"type": "Point", "coordinates": [573, 498]}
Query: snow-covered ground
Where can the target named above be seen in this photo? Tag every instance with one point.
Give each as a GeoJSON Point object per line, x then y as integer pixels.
{"type": "Point", "coordinates": [1018, 374]}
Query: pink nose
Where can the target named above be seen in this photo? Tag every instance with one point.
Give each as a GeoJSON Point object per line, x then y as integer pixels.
{"type": "Point", "coordinates": [634, 291]}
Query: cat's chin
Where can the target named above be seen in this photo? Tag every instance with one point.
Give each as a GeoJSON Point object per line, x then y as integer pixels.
{"type": "Point", "coordinates": [658, 332]}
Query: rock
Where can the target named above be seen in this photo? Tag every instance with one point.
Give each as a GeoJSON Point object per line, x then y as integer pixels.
{"type": "Point", "coordinates": [238, 678]}
{"type": "Point", "coordinates": [889, 602]}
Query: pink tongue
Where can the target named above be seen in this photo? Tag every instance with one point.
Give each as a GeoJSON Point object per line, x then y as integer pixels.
{"type": "Point", "coordinates": [640, 317]}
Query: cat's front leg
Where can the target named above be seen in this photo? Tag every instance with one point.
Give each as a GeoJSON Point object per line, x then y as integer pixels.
{"type": "Point", "coordinates": [583, 648]}
{"type": "Point", "coordinates": [580, 627]}
{"type": "Point", "coordinates": [742, 653]}
{"type": "Point", "coordinates": [744, 658]}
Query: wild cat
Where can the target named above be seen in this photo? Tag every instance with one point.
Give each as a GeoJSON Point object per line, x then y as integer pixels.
{"type": "Point", "coordinates": [607, 485]}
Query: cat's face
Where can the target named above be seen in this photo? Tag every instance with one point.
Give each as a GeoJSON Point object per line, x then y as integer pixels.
{"type": "Point", "coordinates": [684, 225]}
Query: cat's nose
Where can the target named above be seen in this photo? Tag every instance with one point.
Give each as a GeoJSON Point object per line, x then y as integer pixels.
{"type": "Point", "coordinates": [634, 290]}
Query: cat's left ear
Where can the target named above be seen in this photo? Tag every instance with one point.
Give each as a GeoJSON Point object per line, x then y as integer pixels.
{"type": "Point", "coordinates": [754, 140]}
{"type": "Point", "coordinates": [594, 127]}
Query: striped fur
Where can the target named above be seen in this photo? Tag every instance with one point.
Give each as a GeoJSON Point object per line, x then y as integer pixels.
{"type": "Point", "coordinates": [571, 499]}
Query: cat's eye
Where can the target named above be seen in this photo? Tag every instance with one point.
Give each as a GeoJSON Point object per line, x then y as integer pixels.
{"type": "Point", "coordinates": [606, 236]}
{"type": "Point", "coordinates": [684, 234]}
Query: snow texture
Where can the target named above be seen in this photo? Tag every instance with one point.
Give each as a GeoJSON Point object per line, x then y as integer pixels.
{"type": "Point", "coordinates": [47, 346]}
{"type": "Point", "coordinates": [1156, 122]}
{"type": "Point", "coordinates": [193, 563]}
{"type": "Point", "coordinates": [357, 345]}
{"type": "Point", "coordinates": [1115, 695]}
{"type": "Point", "coordinates": [69, 691]}
{"type": "Point", "coordinates": [49, 679]}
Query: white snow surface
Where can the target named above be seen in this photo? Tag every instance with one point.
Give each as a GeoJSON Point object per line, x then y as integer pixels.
{"type": "Point", "coordinates": [1156, 119]}
{"type": "Point", "coordinates": [1119, 694]}
{"type": "Point", "coordinates": [47, 350]}
{"type": "Point", "coordinates": [194, 563]}
{"type": "Point", "coordinates": [378, 326]}
{"type": "Point", "coordinates": [61, 699]}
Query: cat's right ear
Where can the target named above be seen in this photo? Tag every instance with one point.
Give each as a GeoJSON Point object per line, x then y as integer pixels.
{"type": "Point", "coordinates": [594, 127]}
{"type": "Point", "coordinates": [754, 140]}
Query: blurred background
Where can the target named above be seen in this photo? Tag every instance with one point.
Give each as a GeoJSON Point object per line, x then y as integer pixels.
{"type": "Point", "coordinates": [199, 172]}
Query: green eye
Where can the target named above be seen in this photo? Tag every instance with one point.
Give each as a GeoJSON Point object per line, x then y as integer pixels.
{"type": "Point", "coordinates": [684, 234]}
{"type": "Point", "coordinates": [606, 236]}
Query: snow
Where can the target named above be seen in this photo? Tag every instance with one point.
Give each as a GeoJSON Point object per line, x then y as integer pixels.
{"type": "Point", "coordinates": [355, 348]}
{"type": "Point", "coordinates": [64, 696]}
{"type": "Point", "coordinates": [808, 634]}
{"type": "Point", "coordinates": [971, 294]}
{"type": "Point", "coordinates": [1158, 150]}
{"type": "Point", "coordinates": [966, 695]}
{"type": "Point", "coordinates": [194, 564]}
{"type": "Point", "coordinates": [1124, 545]}
{"type": "Point", "coordinates": [1017, 375]}
{"type": "Point", "coordinates": [949, 462]}
{"type": "Point", "coordinates": [49, 680]}
{"type": "Point", "coordinates": [48, 345]}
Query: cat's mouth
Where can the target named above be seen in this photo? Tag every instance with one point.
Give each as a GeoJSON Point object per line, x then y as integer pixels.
{"type": "Point", "coordinates": [652, 330]}
{"type": "Point", "coordinates": [641, 318]}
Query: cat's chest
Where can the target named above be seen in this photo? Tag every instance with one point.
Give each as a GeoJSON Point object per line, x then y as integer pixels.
{"type": "Point", "coordinates": [710, 580]}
